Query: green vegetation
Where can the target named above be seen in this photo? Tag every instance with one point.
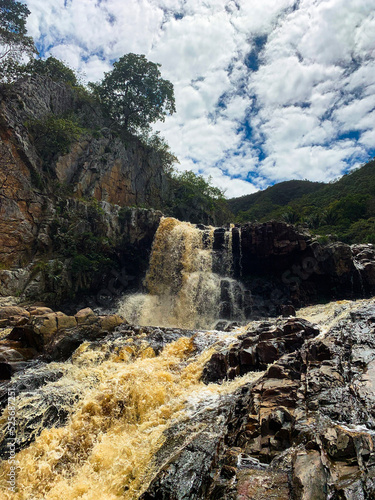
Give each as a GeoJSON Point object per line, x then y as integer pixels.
{"type": "Point", "coordinates": [196, 200]}
{"type": "Point", "coordinates": [274, 199]}
{"type": "Point", "coordinates": [53, 135]}
{"type": "Point", "coordinates": [157, 145]}
{"type": "Point", "coordinates": [344, 209]}
{"type": "Point", "coordinates": [134, 94]}
{"type": "Point", "coordinates": [14, 42]}
{"type": "Point", "coordinates": [54, 69]}
{"type": "Point", "coordinates": [77, 234]}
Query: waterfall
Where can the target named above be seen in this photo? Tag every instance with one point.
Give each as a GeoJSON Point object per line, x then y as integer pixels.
{"type": "Point", "coordinates": [359, 268]}
{"type": "Point", "coordinates": [189, 283]}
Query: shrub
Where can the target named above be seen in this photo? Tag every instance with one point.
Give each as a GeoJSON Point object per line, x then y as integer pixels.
{"type": "Point", "coordinates": [54, 135]}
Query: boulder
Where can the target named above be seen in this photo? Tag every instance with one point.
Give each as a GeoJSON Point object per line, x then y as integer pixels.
{"type": "Point", "coordinates": [110, 322]}
{"type": "Point", "coordinates": [309, 476]}
{"type": "Point", "coordinates": [86, 316]}
{"type": "Point", "coordinates": [64, 321]}
{"type": "Point", "coordinates": [45, 325]}
{"type": "Point", "coordinates": [11, 311]}
{"type": "Point", "coordinates": [39, 310]}
{"type": "Point", "coordinates": [13, 315]}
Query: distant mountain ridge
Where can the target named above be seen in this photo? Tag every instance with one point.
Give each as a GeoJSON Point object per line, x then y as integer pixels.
{"type": "Point", "coordinates": [280, 194]}
{"type": "Point", "coordinates": [344, 208]}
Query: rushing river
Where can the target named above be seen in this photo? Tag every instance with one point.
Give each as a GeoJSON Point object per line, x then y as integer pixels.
{"type": "Point", "coordinates": [89, 428]}
{"type": "Point", "coordinates": [118, 398]}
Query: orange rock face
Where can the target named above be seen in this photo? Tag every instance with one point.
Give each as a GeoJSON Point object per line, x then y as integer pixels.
{"type": "Point", "coordinates": [20, 206]}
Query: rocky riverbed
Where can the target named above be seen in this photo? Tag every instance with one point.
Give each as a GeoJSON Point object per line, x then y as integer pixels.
{"type": "Point", "coordinates": [282, 408]}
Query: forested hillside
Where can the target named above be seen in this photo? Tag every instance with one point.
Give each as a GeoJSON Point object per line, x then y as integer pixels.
{"type": "Point", "coordinates": [344, 209]}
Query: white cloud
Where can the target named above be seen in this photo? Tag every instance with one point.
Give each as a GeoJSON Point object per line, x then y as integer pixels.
{"type": "Point", "coordinates": [306, 163]}
{"type": "Point", "coordinates": [194, 46]}
{"type": "Point", "coordinates": [275, 106]}
{"type": "Point", "coordinates": [355, 115]}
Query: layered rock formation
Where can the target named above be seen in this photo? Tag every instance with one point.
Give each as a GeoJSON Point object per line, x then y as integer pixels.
{"type": "Point", "coordinates": [58, 269]}
{"type": "Point", "coordinates": [304, 430]}
{"type": "Point", "coordinates": [38, 332]}
{"type": "Point", "coordinates": [99, 166]}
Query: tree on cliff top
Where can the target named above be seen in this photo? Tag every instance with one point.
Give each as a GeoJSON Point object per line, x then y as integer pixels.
{"type": "Point", "coordinates": [134, 93]}
{"type": "Point", "coordinates": [14, 42]}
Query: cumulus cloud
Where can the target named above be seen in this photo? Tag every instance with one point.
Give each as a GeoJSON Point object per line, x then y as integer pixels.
{"type": "Point", "coordinates": [266, 90]}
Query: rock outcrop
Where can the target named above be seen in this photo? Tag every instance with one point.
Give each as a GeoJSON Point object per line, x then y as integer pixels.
{"type": "Point", "coordinates": [304, 430]}
{"type": "Point", "coordinates": [257, 349]}
{"type": "Point", "coordinates": [280, 264]}
{"type": "Point", "coordinates": [40, 333]}
{"type": "Point", "coordinates": [54, 275]}
{"type": "Point", "coordinates": [99, 166]}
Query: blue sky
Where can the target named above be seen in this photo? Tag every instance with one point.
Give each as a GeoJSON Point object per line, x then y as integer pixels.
{"type": "Point", "coordinates": [266, 90]}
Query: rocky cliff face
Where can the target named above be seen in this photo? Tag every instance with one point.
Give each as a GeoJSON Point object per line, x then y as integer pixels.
{"type": "Point", "coordinates": [108, 170]}
{"type": "Point", "coordinates": [101, 166]}
{"type": "Point", "coordinates": [101, 251]}
{"type": "Point", "coordinates": [279, 263]}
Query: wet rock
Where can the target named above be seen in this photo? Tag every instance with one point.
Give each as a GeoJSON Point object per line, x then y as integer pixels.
{"type": "Point", "coordinates": [287, 310]}
{"type": "Point", "coordinates": [45, 326]}
{"type": "Point", "coordinates": [110, 322]}
{"type": "Point", "coordinates": [226, 326]}
{"type": "Point", "coordinates": [64, 321]}
{"type": "Point", "coordinates": [39, 310]}
{"type": "Point", "coordinates": [260, 348]}
{"type": "Point", "coordinates": [309, 476]}
{"type": "Point", "coordinates": [13, 315]}
{"type": "Point", "coordinates": [221, 326]}
{"type": "Point", "coordinates": [62, 345]}
{"type": "Point", "coordinates": [54, 335]}
{"type": "Point", "coordinates": [11, 311]}
{"type": "Point", "coordinates": [258, 485]}
{"type": "Point", "coordinates": [186, 474]}
{"type": "Point", "coordinates": [364, 259]}
{"type": "Point", "coordinates": [304, 430]}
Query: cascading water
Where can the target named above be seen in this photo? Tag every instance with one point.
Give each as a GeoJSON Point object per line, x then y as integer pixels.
{"type": "Point", "coordinates": [92, 426]}
{"type": "Point", "coordinates": [118, 397]}
{"type": "Point", "coordinates": [189, 283]}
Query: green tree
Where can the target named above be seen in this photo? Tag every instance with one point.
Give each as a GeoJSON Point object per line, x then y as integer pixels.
{"type": "Point", "coordinates": [196, 200]}
{"type": "Point", "coordinates": [53, 68]}
{"type": "Point", "coordinates": [157, 145]}
{"type": "Point", "coordinates": [291, 216]}
{"type": "Point", "coordinates": [53, 135]}
{"type": "Point", "coordinates": [14, 42]}
{"type": "Point", "coordinates": [134, 93]}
